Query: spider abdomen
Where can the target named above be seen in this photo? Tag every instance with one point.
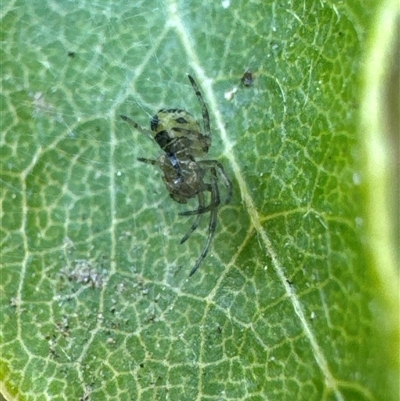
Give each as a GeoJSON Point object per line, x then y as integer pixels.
{"type": "Point", "coordinates": [176, 129]}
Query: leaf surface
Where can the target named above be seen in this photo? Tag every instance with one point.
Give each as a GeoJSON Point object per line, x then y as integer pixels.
{"type": "Point", "coordinates": [95, 297]}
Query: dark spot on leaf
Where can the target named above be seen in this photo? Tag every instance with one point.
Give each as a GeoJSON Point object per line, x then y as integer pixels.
{"type": "Point", "coordinates": [248, 79]}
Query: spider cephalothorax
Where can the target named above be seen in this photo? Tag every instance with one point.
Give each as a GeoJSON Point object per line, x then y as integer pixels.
{"type": "Point", "coordinates": [180, 137]}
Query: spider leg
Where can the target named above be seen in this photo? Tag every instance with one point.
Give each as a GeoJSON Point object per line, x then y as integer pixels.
{"type": "Point", "coordinates": [197, 220]}
{"type": "Point", "coordinates": [210, 164]}
{"type": "Point", "coordinates": [202, 208]}
{"type": "Point", "coordinates": [213, 220]}
{"type": "Point", "coordinates": [148, 161]}
{"type": "Point", "coordinates": [204, 110]}
{"type": "Point", "coordinates": [138, 127]}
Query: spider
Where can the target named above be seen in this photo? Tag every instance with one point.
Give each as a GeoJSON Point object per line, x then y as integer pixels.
{"type": "Point", "coordinates": [180, 137]}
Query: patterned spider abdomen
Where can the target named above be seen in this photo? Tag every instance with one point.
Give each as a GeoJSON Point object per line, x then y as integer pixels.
{"type": "Point", "coordinates": [176, 129]}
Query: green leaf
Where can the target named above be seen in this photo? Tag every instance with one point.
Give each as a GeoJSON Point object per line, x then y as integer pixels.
{"type": "Point", "coordinates": [96, 302]}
